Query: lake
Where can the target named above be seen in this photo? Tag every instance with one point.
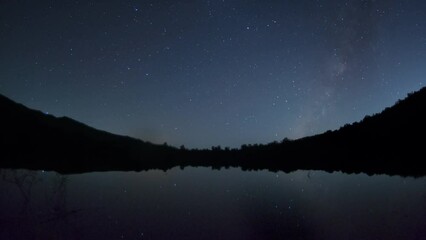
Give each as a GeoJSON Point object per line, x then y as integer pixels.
{"type": "Point", "coordinates": [201, 203]}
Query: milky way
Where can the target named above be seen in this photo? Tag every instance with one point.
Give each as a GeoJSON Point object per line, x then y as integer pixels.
{"type": "Point", "coordinates": [203, 73]}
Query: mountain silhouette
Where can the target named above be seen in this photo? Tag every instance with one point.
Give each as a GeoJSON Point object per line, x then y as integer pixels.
{"type": "Point", "coordinates": [32, 139]}
{"type": "Point", "coordinates": [390, 142]}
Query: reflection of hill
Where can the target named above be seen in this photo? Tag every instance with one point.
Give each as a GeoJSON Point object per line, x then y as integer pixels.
{"type": "Point", "coordinates": [389, 142]}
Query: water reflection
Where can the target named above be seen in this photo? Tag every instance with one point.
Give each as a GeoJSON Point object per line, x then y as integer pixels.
{"type": "Point", "coordinates": [34, 205]}
{"type": "Point", "coordinates": [200, 203]}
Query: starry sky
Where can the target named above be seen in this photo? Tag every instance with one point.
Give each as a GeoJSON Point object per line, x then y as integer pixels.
{"type": "Point", "coordinates": [221, 72]}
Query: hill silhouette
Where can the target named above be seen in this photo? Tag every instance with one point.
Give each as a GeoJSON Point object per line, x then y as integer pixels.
{"type": "Point", "coordinates": [32, 139]}
{"type": "Point", "coordinates": [390, 142]}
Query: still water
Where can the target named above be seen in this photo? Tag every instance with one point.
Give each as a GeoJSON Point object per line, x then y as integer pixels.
{"type": "Point", "coordinates": [201, 203]}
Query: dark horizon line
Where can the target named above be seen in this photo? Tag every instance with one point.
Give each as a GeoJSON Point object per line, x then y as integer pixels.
{"type": "Point", "coordinates": [165, 143]}
{"type": "Point", "coordinates": [386, 142]}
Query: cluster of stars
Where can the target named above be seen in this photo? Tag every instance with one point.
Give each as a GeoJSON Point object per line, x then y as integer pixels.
{"type": "Point", "coordinates": [212, 72]}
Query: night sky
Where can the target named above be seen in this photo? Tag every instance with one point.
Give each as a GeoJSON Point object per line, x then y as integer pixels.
{"type": "Point", "coordinates": [221, 72]}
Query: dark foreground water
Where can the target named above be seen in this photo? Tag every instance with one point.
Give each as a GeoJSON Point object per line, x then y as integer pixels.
{"type": "Point", "coordinates": [200, 203]}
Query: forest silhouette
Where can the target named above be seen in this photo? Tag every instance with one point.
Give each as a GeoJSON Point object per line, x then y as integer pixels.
{"type": "Point", "coordinates": [390, 142]}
